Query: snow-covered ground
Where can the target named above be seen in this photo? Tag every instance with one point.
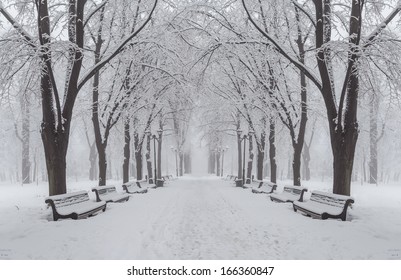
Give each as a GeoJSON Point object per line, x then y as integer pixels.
{"type": "Point", "coordinates": [200, 218]}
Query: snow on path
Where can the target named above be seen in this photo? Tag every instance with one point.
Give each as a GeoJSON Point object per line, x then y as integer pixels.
{"type": "Point", "coordinates": [197, 218]}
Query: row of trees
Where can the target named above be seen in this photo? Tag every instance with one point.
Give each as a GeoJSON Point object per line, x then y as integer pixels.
{"type": "Point", "coordinates": [295, 54]}
{"type": "Point", "coordinates": [266, 67]}
{"type": "Point", "coordinates": [127, 71]}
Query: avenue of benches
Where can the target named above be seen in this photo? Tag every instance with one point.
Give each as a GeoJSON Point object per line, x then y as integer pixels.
{"type": "Point", "coordinates": [75, 205]}
{"type": "Point", "coordinates": [322, 205]}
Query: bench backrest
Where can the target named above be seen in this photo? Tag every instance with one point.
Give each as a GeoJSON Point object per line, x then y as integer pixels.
{"type": "Point", "coordinates": [331, 199]}
{"type": "Point", "coordinates": [295, 190]}
{"type": "Point", "coordinates": [103, 190]}
{"type": "Point", "coordinates": [67, 199]}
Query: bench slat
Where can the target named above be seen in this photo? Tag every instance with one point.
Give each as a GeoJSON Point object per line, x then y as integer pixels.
{"type": "Point", "coordinates": [289, 194]}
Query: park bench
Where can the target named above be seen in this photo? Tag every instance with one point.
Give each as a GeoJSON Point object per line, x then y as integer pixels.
{"type": "Point", "coordinates": [144, 184]}
{"type": "Point", "coordinates": [265, 187]}
{"type": "Point", "coordinates": [322, 205]}
{"type": "Point", "coordinates": [289, 194]}
{"type": "Point", "coordinates": [75, 205]}
{"type": "Point", "coordinates": [109, 194]}
{"type": "Point", "coordinates": [134, 188]}
{"type": "Point", "coordinates": [239, 183]}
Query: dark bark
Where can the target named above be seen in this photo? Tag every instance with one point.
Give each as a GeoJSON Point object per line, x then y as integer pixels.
{"type": "Point", "coordinates": [138, 154]}
{"type": "Point", "coordinates": [127, 150]}
{"type": "Point", "coordinates": [55, 147]}
{"type": "Point", "coordinates": [260, 164]}
{"type": "Point", "coordinates": [181, 163]}
{"type": "Point", "coordinates": [148, 160]}
{"type": "Point", "coordinates": [159, 156]}
{"type": "Point", "coordinates": [250, 160]}
{"type": "Point", "coordinates": [101, 151]}
{"type": "Point", "coordinates": [272, 151]}
{"type": "Point", "coordinates": [239, 147]}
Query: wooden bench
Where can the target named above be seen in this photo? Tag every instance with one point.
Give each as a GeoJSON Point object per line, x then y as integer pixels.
{"type": "Point", "coordinates": [109, 194]}
{"type": "Point", "coordinates": [322, 205]}
{"type": "Point", "coordinates": [134, 188]}
{"type": "Point", "coordinates": [239, 183]}
{"type": "Point", "coordinates": [75, 205]}
{"type": "Point", "coordinates": [290, 194]}
{"type": "Point", "coordinates": [265, 187]}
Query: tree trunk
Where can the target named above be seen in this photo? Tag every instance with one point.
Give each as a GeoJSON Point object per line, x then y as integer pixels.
{"type": "Point", "coordinates": [102, 164]}
{"type": "Point", "coordinates": [261, 156]}
{"type": "Point", "coordinates": [239, 147]}
{"type": "Point", "coordinates": [159, 156]}
{"type": "Point", "coordinates": [181, 163]}
{"type": "Point", "coordinates": [138, 160]}
{"type": "Point", "coordinates": [138, 154]}
{"type": "Point", "coordinates": [250, 160]}
{"type": "Point", "coordinates": [344, 149]}
{"type": "Point", "coordinates": [55, 147]}
{"type": "Point", "coordinates": [218, 155]}
{"type": "Point", "coordinates": [260, 162]}
{"type": "Point", "coordinates": [127, 150]}
{"type": "Point", "coordinates": [272, 151]}
{"type": "Point", "coordinates": [296, 165]}
{"type": "Point", "coordinates": [148, 160]}
{"type": "Point", "coordinates": [212, 162]}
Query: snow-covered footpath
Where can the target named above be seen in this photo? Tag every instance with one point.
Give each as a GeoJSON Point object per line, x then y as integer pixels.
{"type": "Point", "coordinates": [200, 218]}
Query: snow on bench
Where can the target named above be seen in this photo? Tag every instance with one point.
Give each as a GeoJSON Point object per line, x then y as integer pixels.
{"type": "Point", "coordinates": [324, 205]}
{"type": "Point", "coordinates": [134, 187]}
{"type": "Point", "coordinates": [264, 187]}
{"type": "Point", "coordinates": [144, 184]}
{"type": "Point", "coordinates": [109, 194]}
{"type": "Point", "coordinates": [290, 194]}
{"type": "Point", "coordinates": [75, 205]}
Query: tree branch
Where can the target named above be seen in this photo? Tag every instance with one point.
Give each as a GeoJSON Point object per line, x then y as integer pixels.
{"type": "Point", "coordinates": [119, 49]}
{"type": "Point", "coordinates": [280, 49]}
